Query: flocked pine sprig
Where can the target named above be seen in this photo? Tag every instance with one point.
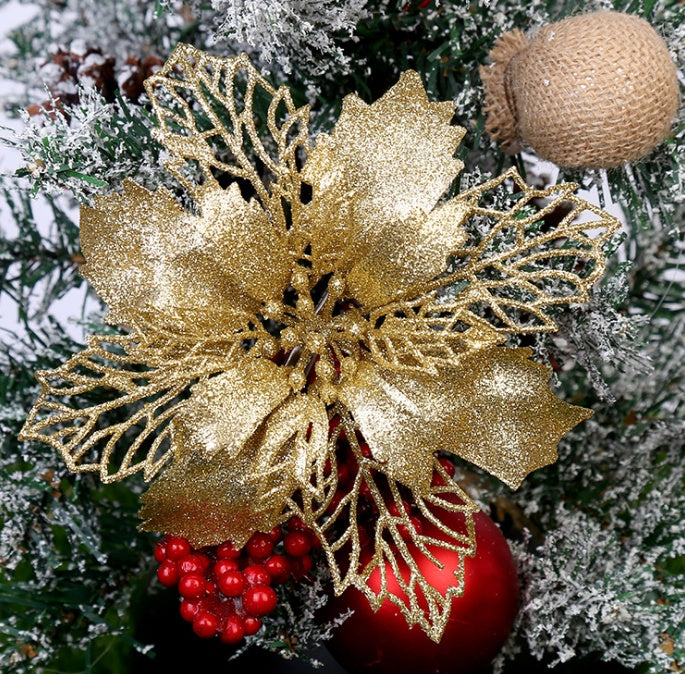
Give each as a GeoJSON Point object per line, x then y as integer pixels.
{"type": "Point", "coordinates": [621, 478]}
{"type": "Point", "coordinates": [589, 593]}
{"type": "Point", "coordinates": [69, 555]}
{"type": "Point", "coordinates": [296, 629]}
{"type": "Point", "coordinates": [286, 32]}
{"type": "Point", "coordinates": [89, 148]}
{"type": "Point", "coordinates": [38, 265]}
{"type": "Point", "coordinates": [121, 28]}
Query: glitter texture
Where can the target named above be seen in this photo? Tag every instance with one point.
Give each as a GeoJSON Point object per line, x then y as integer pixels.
{"type": "Point", "coordinates": [255, 322]}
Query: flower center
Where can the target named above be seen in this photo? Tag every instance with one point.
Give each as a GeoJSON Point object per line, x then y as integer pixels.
{"type": "Point", "coordinates": [322, 332]}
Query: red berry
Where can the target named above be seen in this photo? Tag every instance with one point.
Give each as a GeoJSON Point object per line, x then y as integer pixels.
{"type": "Point", "coordinates": [228, 551]}
{"type": "Point", "coordinates": [204, 560]}
{"type": "Point", "coordinates": [256, 575]}
{"type": "Point", "coordinates": [306, 562]}
{"type": "Point", "coordinates": [278, 567]}
{"type": "Point", "coordinates": [233, 631]}
{"type": "Point", "coordinates": [177, 547]}
{"type": "Point", "coordinates": [191, 586]}
{"type": "Point", "coordinates": [301, 566]}
{"type": "Point", "coordinates": [167, 574]}
{"type": "Point", "coordinates": [231, 583]}
{"type": "Point", "coordinates": [191, 564]}
{"type": "Point", "coordinates": [260, 600]}
{"type": "Point", "coordinates": [210, 587]}
{"type": "Point", "coordinates": [205, 624]}
{"type": "Point", "coordinates": [276, 534]}
{"type": "Point", "coordinates": [297, 543]}
{"type": "Point", "coordinates": [224, 566]}
{"type": "Point", "coordinates": [297, 524]}
{"type": "Point", "coordinates": [252, 625]}
{"type": "Point", "coordinates": [160, 551]}
{"type": "Point", "coordinates": [189, 609]}
{"type": "Point", "coordinates": [260, 546]}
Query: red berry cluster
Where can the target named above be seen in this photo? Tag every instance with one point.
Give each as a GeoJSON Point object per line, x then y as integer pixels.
{"type": "Point", "coordinates": [226, 591]}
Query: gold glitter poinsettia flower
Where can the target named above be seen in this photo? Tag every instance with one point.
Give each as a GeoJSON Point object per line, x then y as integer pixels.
{"type": "Point", "coordinates": [310, 286]}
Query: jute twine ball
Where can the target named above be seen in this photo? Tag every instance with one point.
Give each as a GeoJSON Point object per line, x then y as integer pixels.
{"type": "Point", "coordinates": [591, 91]}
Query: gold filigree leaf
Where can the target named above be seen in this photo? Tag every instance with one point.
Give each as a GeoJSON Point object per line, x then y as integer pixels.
{"type": "Point", "coordinates": [219, 115]}
{"type": "Point", "coordinates": [108, 408]}
{"type": "Point", "coordinates": [523, 266]}
{"type": "Point", "coordinates": [423, 340]}
{"type": "Point", "coordinates": [526, 259]}
{"type": "Point", "coordinates": [387, 559]}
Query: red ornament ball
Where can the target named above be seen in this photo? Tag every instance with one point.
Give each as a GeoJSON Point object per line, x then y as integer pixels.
{"type": "Point", "coordinates": [479, 623]}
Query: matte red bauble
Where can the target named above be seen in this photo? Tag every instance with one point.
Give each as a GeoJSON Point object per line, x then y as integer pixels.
{"type": "Point", "coordinates": [480, 621]}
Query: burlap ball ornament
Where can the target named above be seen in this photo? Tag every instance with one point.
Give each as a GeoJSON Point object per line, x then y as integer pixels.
{"type": "Point", "coordinates": [591, 91]}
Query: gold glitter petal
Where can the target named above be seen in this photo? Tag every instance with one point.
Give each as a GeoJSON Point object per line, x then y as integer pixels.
{"type": "Point", "coordinates": [225, 411]}
{"type": "Point", "coordinates": [410, 167]}
{"type": "Point", "coordinates": [495, 409]}
{"type": "Point", "coordinates": [302, 421]}
{"type": "Point", "coordinates": [393, 412]}
{"type": "Point", "coordinates": [146, 254]}
{"type": "Point", "coordinates": [254, 254]}
{"type": "Point", "coordinates": [501, 413]}
{"type": "Point", "coordinates": [234, 468]}
{"type": "Point", "coordinates": [211, 499]}
{"type": "Point", "coordinates": [409, 254]}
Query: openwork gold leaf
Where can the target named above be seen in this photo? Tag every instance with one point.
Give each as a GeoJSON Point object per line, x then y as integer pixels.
{"type": "Point", "coordinates": [143, 388]}
{"type": "Point", "coordinates": [419, 337]}
{"type": "Point", "coordinates": [520, 265]}
{"type": "Point", "coordinates": [385, 560]}
{"type": "Point", "coordinates": [206, 107]}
